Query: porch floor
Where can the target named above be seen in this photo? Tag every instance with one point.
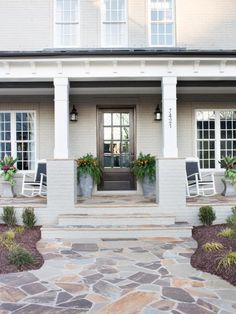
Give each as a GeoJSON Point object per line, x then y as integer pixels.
{"type": "Point", "coordinates": [21, 201]}
{"type": "Point", "coordinates": [217, 199]}
{"type": "Point", "coordinates": [118, 200]}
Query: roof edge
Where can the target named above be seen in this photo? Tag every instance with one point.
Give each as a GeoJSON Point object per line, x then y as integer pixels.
{"type": "Point", "coordinates": [141, 52]}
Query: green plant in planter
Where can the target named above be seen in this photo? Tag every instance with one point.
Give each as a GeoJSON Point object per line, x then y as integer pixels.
{"type": "Point", "coordinates": [89, 164]}
{"type": "Point", "coordinates": [144, 165]}
{"type": "Point", "coordinates": [229, 164]}
{"type": "Point", "coordinates": [8, 169]}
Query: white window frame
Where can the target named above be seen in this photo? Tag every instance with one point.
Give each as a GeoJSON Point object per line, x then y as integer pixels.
{"type": "Point", "coordinates": [104, 22]}
{"type": "Point", "coordinates": [13, 135]}
{"type": "Point", "coordinates": [150, 25]}
{"type": "Point", "coordinates": [217, 136]}
{"type": "Point", "coordinates": [56, 45]}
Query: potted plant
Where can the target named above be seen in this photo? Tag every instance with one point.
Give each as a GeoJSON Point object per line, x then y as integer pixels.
{"type": "Point", "coordinates": [89, 172]}
{"type": "Point", "coordinates": [8, 171]}
{"type": "Point", "coordinates": [144, 168]}
{"type": "Point", "coordinates": [229, 164]}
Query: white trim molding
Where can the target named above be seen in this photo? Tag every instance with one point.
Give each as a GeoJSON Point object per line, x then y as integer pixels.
{"type": "Point", "coordinates": [146, 67]}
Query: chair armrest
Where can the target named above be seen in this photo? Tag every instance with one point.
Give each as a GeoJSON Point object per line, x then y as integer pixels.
{"type": "Point", "coordinates": [195, 175]}
{"type": "Point", "coordinates": [27, 175]}
{"type": "Point", "coordinates": [208, 175]}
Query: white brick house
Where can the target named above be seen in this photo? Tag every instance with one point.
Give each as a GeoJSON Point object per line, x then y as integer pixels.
{"type": "Point", "coordinates": [118, 58]}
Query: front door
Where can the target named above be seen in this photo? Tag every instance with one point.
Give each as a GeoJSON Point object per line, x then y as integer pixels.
{"type": "Point", "coordinates": [116, 148]}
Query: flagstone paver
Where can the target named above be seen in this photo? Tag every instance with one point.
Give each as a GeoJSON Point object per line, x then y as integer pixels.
{"type": "Point", "coordinates": [131, 276]}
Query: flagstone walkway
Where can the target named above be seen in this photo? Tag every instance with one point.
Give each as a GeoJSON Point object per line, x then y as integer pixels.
{"type": "Point", "coordinates": [129, 276]}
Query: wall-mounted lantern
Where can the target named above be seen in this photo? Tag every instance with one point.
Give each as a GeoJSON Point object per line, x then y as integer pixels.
{"type": "Point", "coordinates": [158, 113]}
{"type": "Point", "coordinates": [73, 115]}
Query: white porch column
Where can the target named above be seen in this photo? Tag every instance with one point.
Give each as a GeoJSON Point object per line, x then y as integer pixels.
{"type": "Point", "coordinates": [61, 108]}
{"type": "Point", "coordinates": [169, 120]}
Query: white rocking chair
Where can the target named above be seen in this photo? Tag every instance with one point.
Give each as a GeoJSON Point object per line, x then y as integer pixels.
{"type": "Point", "coordinates": [197, 183]}
{"type": "Point", "coordinates": [38, 184]}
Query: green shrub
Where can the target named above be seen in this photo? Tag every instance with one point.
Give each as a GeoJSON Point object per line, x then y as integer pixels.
{"type": "Point", "coordinates": [206, 215]}
{"type": "Point", "coordinates": [9, 216]}
{"type": "Point", "coordinates": [7, 239]}
{"type": "Point", "coordinates": [19, 256]}
{"type": "Point", "coordinates": [231, 220]}
{"type": "Point", "coordinates": [9, 235]}
{"type": "Point", "coordinates": [212, 246]}
{"type": "Point", "coordinates": [19, 229]}
{"type": "Point", "coordinates": [28, 217]}
{"type": "Point", "coordinates": [6, 242]}
{"type": "Point", "coordinates": [227, 260]}
{"type": "Point", "coordinates": [226, 233]}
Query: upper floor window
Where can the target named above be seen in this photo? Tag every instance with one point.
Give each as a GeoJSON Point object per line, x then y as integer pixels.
{"type": "Point", "coordinates": [161, 13]}
{"type": "Point", "coordinates": [114, 23]}
{"type": "Point", "coordinates": [67, 23]}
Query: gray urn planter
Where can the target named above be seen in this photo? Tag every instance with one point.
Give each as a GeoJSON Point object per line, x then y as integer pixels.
{"type": "Point", "coordinates": [86, 185]}
{"type": "Point", "coordinates": [149, 188]}
{"type": "Point", "coordinates": [229, 188]}
{"type": "Point", "coordinates": [7, 190]}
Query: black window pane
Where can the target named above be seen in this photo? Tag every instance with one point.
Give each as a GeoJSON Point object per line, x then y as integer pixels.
{"type": "Point", "coordinates": [19, 165]}
{"type": "Point", "coordinates": [212, 164]}
{"type": "Point", "coordinates": [116, 161]}
{"type": "Point", "coordinates": [107, 161]}
{"type": "Point", "coordinates": [107, 147]}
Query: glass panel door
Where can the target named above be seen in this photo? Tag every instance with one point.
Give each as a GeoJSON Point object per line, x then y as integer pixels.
{"type": "Point", "coordinates": [117, 147]}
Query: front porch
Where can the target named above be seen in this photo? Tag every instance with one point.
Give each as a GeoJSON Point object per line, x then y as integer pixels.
{"type": "Point", "coordinates": [38, 95]}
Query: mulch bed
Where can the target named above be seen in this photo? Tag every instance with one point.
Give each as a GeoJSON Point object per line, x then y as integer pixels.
{"type": "Point", "coordinates": [27, 240]}
{"type": "Point", "coordinates": [207, 261]}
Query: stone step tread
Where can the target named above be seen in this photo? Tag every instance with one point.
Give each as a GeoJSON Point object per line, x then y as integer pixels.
{"type": "Point", "coordinates": [104, 205]}
{"type": "Point", "coordinates": [130, 215]}
{"type": "Point", "coordinates": [180, 226]}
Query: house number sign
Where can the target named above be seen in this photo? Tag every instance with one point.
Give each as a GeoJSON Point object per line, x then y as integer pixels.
{"type": "Point", "coordinates": [170, 118]}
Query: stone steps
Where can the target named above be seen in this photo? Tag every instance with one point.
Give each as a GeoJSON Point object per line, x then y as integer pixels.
{"type": "Point", "coordinates": [113, 219]}
{"type": "Point", "coordinates": [116, 231]}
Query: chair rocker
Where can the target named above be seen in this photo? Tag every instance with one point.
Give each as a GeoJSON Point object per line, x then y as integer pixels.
{"type": "Point", "coordinates": [198, 184]}
{"type": "Point", "coordinates": [38, 183]}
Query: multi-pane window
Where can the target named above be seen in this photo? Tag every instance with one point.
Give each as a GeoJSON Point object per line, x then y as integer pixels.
{"type": "Point", "coordinates": [227, 133]}
{"type": "Point", "coordinates": [216, 136]}
{"type": "Point", "coordinates": [114, 23]}
{"type": "Point", "coordinates": [67, 23]}
{"type": "Point", "coordinates": [5, 134]}
{"type": "Point", "coordinates": [17, 138]}
{"type": "Point", "coordinates": [162, 22]}
{"type": "Point", "coordinates": [206, 137]}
